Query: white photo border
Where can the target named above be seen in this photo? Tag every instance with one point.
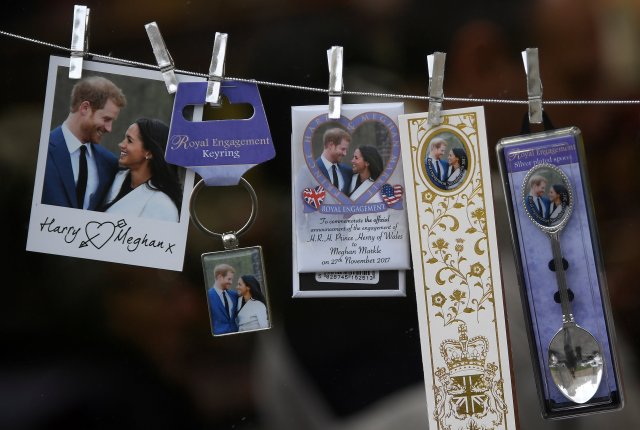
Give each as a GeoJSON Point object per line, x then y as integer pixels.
{"type": "Point", "coordinates": [98, 235]}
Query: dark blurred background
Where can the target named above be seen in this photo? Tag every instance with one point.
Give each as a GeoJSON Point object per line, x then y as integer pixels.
{"type": "Point", "coordinates": [99, 345]}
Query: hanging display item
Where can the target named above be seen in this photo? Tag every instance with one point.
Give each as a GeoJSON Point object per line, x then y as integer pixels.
{"type": "Point", "coordinates": [350, 233]}
{"type": "Point", "coordinates": [561, 272]}
{"type": "Point", "coordinates": [465, 351]}
{"type": "Point", "coordinates": [103, 189]}
{"type": "Point", "coordinates": [221, 151]}
{"type": "Point", "coordinates": [235, 279]}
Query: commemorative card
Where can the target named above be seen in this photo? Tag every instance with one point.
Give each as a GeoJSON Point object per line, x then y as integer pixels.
{"type": "Point", "coordinates": [103, 189]}
{"type": "Point", "coordinates": [350, 232]}
{"type": "Point", "coordinates": [456, 269]}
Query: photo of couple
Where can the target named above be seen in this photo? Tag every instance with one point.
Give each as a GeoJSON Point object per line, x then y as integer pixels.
{"type": "Point", "coordinates": [446, 163]}
{"type": "Point", "coordinates": [81, 173]}
{"type": "Point", "coordinates": [546, 207]}
{"type": "Point", "coordinates": [351, 179]}
{"type": "Point", "coordinates": [236, 301]}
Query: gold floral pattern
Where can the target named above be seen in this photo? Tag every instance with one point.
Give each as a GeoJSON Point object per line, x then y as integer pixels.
{"type": "Point", "coordinates": [480, 215]}
{"type": "Point", "coordinates": [428, 196]}
{"type": "Point", "coordinates": [458, 296]}
{"type": "Point", "coordinates": [476, 269]}
{"type": "Point", "coordinates": [438, 300]}
{"type": "Point", "coordinates": [445, 215]}
{"type": "Point", "coordinates": [441, 244]}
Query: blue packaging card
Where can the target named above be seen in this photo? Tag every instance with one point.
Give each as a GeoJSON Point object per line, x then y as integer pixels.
{"type": "Point", "coordinates": [220, 151]}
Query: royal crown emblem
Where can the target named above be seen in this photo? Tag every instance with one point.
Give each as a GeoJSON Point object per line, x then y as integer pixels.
{"type": "Point", "coordinates": [465, 355]}
{"type": "Point", "coordinates": [468, 392]}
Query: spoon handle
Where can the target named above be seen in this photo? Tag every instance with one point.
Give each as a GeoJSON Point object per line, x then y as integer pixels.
{"type": "Point", "coordinates": [567, 312]}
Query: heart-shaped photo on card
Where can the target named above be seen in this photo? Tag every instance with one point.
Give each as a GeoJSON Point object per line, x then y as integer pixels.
{"type": "Point", "coordinates": [352, 158]}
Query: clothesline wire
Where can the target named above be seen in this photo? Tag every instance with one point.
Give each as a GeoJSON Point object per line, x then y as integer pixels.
{"type": "Point", "coordinates": [326, 90]}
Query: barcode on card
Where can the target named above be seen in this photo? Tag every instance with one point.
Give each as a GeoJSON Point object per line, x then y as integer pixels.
{"type": "Point", "coordinates": [361, 277]}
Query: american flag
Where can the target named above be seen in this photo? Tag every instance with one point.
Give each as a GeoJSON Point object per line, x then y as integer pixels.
{"type": "Point", "coordinates": [391, 194]}
{"type": "Point", "coordinates": [314, 196]}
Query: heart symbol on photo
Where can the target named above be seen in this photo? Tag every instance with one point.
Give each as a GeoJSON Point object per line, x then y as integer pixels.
{"type": "Point", "coordinates": [98, 233]}
{"type": "Point", "coordinates": [379, 123]}
{"type": "Point", "coordinates": [391, 194]}
{"type": "Point", "coordinates": [314, 196]}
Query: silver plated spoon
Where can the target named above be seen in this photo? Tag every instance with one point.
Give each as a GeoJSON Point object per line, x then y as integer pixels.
{"type": "Point", "coordinates": [574, 355]}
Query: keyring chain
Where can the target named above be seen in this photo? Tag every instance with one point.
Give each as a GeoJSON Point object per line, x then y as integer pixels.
{"type": "Point", "coordinates": [229, 239]}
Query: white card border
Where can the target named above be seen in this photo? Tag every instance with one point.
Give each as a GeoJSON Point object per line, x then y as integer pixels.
{"type": "Point", "coordinates": [297, 292]}
{"type": "Point", "coordinates": [167, 232]}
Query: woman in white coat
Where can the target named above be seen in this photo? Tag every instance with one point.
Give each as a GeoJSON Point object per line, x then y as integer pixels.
{"type": "Point", "coordinates": [559, 199]}
{"type": "Point", "coordinates": [366, 165]}
{"type": "Point", "coordinates": [146, 186]}
{"type": "Point", "coordinates": [458, 165]}
{"type": "Point", "coordinates": [252, 309]}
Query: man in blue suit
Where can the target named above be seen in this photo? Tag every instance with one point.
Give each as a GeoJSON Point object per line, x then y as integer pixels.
{"type": "Point", "coordinates": [336, 143]}
{"type": "Point", "coordinates": [537, 202]}
{"type": "Point", "coordinates": [223, 300]}
{"type": "Point", "coordinates": [435, 165]}
{"type": "Point", "coordinates": [79, 171]}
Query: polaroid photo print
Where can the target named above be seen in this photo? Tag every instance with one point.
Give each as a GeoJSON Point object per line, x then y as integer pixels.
{"type": "Point", "coordinates": [236, 289]}
{"type": "Point", "coordinates": [103, 190]}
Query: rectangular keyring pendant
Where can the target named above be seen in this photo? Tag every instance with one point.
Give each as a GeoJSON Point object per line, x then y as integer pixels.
{"type": "Point", "coordinates": [236, 288]}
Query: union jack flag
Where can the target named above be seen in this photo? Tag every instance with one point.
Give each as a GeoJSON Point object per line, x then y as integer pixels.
{"type": "Point", "coordinates": [314, 196]}
{"type": "Point", "coordinates": [391, 194]}
{"type": "Point", "coordinates": [470, 397]}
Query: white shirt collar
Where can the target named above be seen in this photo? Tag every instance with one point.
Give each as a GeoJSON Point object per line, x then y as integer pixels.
{"type": "Point", "coordinates": [327, 163]}
{"type": "Point", "coordinates": [73, 143]}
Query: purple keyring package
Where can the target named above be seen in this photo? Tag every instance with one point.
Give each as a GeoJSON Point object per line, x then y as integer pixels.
{"type": "Point", "coordinates": [548, 198]}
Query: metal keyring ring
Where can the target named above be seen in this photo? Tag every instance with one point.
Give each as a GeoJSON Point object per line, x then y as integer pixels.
{"type": "Point", "coordinates": [252, 218]}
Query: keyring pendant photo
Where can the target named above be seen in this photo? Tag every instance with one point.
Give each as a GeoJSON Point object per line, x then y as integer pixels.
{"type": "Point", "coordinates": [235, 280]}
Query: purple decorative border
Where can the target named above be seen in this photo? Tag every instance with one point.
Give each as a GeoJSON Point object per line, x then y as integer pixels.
{"type": "Point", "coordinates": [347, 205]}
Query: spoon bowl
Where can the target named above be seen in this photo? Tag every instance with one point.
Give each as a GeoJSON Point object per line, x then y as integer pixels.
{"type": "Point", "coordinates": [575, 363]}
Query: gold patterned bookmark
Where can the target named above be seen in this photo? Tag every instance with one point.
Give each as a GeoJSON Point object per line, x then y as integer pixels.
{"type": "Point", "coordinates": [456, 269]}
